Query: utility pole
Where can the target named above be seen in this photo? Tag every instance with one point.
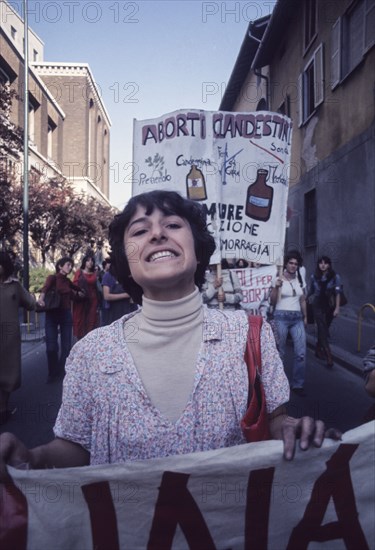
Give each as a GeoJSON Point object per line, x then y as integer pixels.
{"type": "Point", "coordinates": [26, 152]}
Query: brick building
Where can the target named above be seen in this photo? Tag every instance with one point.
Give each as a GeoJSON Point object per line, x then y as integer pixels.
{"type": "Point", "coordinates": [69, 127]}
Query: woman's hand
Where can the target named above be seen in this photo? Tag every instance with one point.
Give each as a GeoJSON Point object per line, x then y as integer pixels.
{"type": "Point", "coordinates": [278, 282]}
{"type": "Point", "coordinates": [218, 282]}
{"type": "Point", "coordinates": [14, 453]}
{"type": "Point", "coordinates": [306, 429]}
{"type": "Point", "coordinates": [336, 311]}
{"type": "Point", "coordinates": [221, 296]}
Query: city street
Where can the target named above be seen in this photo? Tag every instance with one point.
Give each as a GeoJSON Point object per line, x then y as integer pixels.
{"type": "Point", "coordinates": [334, 395]}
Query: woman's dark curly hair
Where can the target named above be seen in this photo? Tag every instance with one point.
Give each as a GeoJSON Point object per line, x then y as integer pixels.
{"type": "Point", "coordinates": [294, 255]}
{"type": "Point", "coordinates": [170, 203]}
{"type": "Point", "coordinates": [7, 263]}
{"type": "Point", "coordinates": [84, 260]}
{"type": "Point", "coordinates": [330, 274]}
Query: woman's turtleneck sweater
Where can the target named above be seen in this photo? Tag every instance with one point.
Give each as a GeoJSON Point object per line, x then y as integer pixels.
{"type": "Point", "coordinates": [165, 348]}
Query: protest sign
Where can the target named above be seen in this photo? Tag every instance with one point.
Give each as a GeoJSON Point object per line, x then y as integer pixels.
{"type": "Point", "coordinates": [255, 285]}
{"type": "Point", "coordinates": [235, 164]}
{"type": "Point", "coordinates": [235, 498]}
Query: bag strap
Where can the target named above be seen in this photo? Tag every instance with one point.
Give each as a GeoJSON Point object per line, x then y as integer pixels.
{"type": "Point", "coordinates": [253, 356]}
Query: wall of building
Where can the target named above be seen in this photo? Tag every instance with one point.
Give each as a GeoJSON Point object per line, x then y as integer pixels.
{"type": "Point", "coordinates": [341, 116]}
{"type": "Point", "coordinates": [345, 197]}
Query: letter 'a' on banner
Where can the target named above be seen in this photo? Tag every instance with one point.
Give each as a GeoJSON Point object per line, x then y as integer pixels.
{"type": "Point", "coordinates": [235, 164]}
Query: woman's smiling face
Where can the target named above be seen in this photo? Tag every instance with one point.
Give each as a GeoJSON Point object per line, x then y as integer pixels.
{"type": "Point", "coordinates": [161, 254]}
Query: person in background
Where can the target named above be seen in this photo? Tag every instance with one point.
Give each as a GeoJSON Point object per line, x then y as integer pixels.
{"type": "Point", "coordinates": [325, 288]}
{"type": "Point", "coordinates": [224, 290]}
{"type": "Point", "coordinates": [59, 319]}
{"type": "Point", "coordinates": [301, 272]}
{"type": "Point", "coordinates": [85, 312]}
{"type": "Point", "coordinates": [369, 375]}
{"type": "Point", "coordinates": [106, 264]}
{"type": "Point", "coordinates": [289, 302]}
{"type": "Point", "coordinates": [153, 383]}
{"type": "Point", "coordinates": [116, 299]}
{"type": "Point", "coordinates": [12, 297]}
{"type": "Point", "coordinates": [241, 263]}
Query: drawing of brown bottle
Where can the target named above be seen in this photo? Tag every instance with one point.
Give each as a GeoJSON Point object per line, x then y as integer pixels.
{"type": "Point", "coordinates": [259, 198]}
{"type": "Point", "coordinates": [196, 185]}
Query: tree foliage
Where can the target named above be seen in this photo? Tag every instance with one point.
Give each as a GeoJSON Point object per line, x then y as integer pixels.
{"type": "Point", "coordinates": [10, 150]}
{"type": "Point", "coordinates": [62, 220]}
{"type": "Point", "coordinates": [10, 134]}
{"type": "Point", "coordinates": [59, 219]}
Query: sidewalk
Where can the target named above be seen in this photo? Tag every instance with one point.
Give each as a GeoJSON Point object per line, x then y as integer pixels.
{"type": "Point", "coordinates": [344, 340]}
{"type": "Point", "coordinates": [31, 339]}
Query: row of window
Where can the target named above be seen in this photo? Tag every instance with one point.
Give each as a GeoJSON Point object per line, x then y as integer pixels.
{"type": "Point", "coordinates": [353, 34]}
{"type": "Point", "coordinates": [13, 33]}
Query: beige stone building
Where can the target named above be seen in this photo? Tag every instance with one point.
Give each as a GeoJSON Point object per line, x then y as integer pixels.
{"type": "Point", "coordinates": [69, 127]}
{"type": "Point", "coordinates": [314, 60]}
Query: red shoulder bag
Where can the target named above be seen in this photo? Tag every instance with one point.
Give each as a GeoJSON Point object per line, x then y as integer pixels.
{"type": "Point", "coordinates": [254, 424]}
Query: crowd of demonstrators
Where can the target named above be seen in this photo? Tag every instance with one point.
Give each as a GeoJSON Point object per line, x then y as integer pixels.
{"type": "Point", "coordinates": [59, 319]}
{"type": "Point", "coordinates": [224, 289]}
{"type": "Point", "coordinates": [116, 302]}
{"type": "Point", "coordinates": [325, 288]}
{"type": "Point", "coordinates": [138, 394]}
{"type": "Point", "coordinates": [289, 302]}
{"type": "Point", "coordinates": [12, 297]}
{"type": "Point", "coordinates": [85, 311]}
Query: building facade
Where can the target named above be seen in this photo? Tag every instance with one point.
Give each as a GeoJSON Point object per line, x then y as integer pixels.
{"type": "Point", "coordinates": [315, 62]}
{"type": "Point", "coordinates": [69, 127]}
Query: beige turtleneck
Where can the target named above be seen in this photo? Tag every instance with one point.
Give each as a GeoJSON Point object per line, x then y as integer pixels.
{"type": "Point", "coordinates": [165, 348]}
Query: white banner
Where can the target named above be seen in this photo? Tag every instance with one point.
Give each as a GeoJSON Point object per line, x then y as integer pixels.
{"type": "Point", "coordinates": [236, 498]}
{"type": "Point", "coordinates": [235, 164]}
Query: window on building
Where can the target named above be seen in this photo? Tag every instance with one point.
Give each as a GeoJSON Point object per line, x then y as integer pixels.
{"type": "Point", "coordinates": [4, 78]}
{"type": "Point", "coordinates": [284, 108]}
{"type": "Point", "coordinates": [35, 55]}
{"type": "Point", "coordinates": [311, 85]}
{"type": "Point", "coordinates": [31, 122]}
{"type": "Point", "coordinates": [352, 36]}
{"type": "Point", "coordinates": [7, 74]}
{"type": "Point", "coordinates": [33, 108]}
{"type": "Point", "coordinates": [50, 137]}
{"type": "Point", "coordinates": [262, 105]}
{"type": "Point", "coordinates": [13, 32]}
{"type": "Point", "coordinates": [310, 218]}
{"type": "Point", "coordinates": [310, 22]}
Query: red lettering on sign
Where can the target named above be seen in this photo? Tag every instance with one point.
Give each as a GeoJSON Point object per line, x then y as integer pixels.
{"type": "Point", "coordinates": [176, 506]}
{"type": "Point", "coordinates": [13, 517]}
{"type": "Point", "coordinates": [102, 515]}
{"type": "Point", "coordinates": [335, 482]}
{"type": "Point", "coordinates": [258, 504]}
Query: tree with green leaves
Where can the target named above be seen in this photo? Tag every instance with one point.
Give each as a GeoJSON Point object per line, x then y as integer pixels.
{"type": "Point", "coordinates": [10, 155]}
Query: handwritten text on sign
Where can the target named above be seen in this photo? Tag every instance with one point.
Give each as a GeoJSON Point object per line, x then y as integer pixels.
{"type": "Point", "coordinates": [235, 164]}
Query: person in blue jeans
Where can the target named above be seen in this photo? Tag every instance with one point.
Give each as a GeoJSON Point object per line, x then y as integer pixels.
{"type": "Point", "coordinates": [59, 318]}
{"type": "Point", "coordinates": [288, 299]}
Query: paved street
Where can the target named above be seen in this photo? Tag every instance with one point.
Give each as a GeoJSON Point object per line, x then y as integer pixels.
{"type": "Point", "coordinates": [334, 395]}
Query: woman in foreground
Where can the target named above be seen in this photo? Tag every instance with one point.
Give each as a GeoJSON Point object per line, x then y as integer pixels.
{"type": "Point", "coordinates": [169, 378]}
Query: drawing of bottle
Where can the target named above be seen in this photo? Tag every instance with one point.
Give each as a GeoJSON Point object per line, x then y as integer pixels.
{"type": "Point", "coordinates": [196, 185]}
{"type": "Point", "coordinates": [259, 198]}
